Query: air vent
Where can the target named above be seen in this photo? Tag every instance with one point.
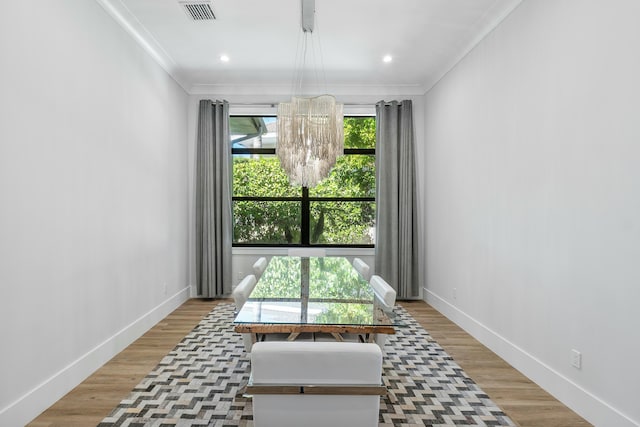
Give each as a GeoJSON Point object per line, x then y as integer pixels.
{"type": "Point", "coordinates": [198, 10]}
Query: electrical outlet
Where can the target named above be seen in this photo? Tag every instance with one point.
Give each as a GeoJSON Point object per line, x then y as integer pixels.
{"type": "Point", "coordinates": [455, 293]}
{"type": "Point", "coordinates": [576, 359]}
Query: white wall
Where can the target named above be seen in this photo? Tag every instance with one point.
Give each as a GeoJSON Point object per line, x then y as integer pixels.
{"type": "Point", "coordinates": [533, 206]}
{"type": "Point", "coordinates": [260, 103]}
{"type": "Point", "coordinates": [93, 193]}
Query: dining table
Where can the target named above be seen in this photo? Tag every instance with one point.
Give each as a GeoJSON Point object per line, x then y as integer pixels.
{"type": "Point", "coordinates": [327, 295]}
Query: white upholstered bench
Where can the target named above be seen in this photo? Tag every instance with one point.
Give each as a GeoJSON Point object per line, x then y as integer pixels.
{"type": "Point", "coordinates": [315, 384]}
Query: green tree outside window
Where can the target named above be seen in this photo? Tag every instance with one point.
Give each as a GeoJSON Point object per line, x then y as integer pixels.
{"type": "Point", "coordinates": [268, 210]}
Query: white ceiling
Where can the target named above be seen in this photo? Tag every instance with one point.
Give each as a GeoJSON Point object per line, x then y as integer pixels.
{"type": "Point", "coordinates": [425, 37]}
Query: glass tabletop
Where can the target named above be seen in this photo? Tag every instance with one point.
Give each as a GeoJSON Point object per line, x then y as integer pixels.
{"type": "Point", "coordinates": [320, 291]}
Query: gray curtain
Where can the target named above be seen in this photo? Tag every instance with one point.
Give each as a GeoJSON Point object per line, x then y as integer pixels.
{"type": "Point", "coordinates": [213, 200]}
{"type": "Point", "coordinates": [396, 258]}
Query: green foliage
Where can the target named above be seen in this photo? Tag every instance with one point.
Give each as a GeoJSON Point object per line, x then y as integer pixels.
{"type": "Point", "coordinates": [281, 279]}
{"type": "Point", "coordinates": [359, 132]}
{"type": "Point", "coordinates": [332, 222]}
{"type": "Point", "coordinates": [275, 222]}
{"type": "Point", "coordinates": [266, 222]}
{"type": "Point", "coordinates": [329, 277]}
{"type": "Point", "coordinates": [261, 176]}
{"type": "Point", "coordinates": [342, 222]}
{"type": "Point", "coordinates": [352, 176]}
{"type": "Point", "coordinates": [346, 313]}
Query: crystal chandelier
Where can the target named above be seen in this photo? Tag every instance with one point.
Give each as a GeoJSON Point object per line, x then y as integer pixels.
{"type": "Point", "coordinates": [310, 129]}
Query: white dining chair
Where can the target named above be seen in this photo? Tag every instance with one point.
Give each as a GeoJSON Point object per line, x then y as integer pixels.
{"type": "Point", "coordinates": [362, 268]}
{"type": "Point", "coordinates": [307, 252]}
{"type": "Point", "coordinates": [386, 297]}
{"type": "Point", "coordinates": [316, 384]}
{"type": "Point", "coordinates": [241, 292]}
{"type": "Point", "coordinates": [259, 266]}
{"type": "Point", "coordinates": [240, 295]}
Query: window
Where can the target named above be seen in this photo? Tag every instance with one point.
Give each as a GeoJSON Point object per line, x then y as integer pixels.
{"type": "Point", "coordinates": [268, 211]}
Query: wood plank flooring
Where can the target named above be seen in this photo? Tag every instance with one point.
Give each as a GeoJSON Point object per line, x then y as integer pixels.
{"type": "Point", "coordinates": [521, 399]}
{"type": "Point", "coordinates": [95, 398]}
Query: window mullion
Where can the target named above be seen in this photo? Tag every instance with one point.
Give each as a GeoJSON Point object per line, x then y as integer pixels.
{"type": "Point", "coordinates": [261, 218]}
{"type": "Point", "coordinates": [305, 217]}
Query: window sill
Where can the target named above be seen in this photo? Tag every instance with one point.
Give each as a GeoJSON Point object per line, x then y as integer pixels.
{"type": "Point", "coordinates": [283, 251]}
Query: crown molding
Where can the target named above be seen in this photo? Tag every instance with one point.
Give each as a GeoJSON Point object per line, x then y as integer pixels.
{"type": "Point", "coordinates": [484, 32]}
{"type": "Point", "coordinates": [128, 21]}
{"type": "Point", "coordinates": [285, 90]}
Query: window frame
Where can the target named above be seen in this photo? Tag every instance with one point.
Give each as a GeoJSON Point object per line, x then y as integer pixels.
{"type": "Point", "coordinates": [304, 199]}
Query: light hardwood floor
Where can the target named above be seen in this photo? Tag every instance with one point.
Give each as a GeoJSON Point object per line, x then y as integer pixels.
{"type": "Point", "coordinates": [95, 398]}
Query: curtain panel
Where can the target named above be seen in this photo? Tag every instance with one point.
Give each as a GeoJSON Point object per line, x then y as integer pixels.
{"type": "Point", "coordinates": [213, 200]}
{"type": "Point", "coordinates": [396, 253]}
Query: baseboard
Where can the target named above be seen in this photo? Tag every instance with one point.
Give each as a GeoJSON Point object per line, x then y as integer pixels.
{"type": "Point", "coordinates": [586, 404]}
{"type": "Point", "coordinates": [33, 403]}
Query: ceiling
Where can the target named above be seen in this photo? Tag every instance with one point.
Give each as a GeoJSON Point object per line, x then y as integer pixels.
{"type": "Point", "coordinates": [426, 38]}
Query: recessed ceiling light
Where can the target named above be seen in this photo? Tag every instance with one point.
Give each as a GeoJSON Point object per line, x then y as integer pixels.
{"type": "Point", "coordinates": [224, 58]}
{"type": "Point", "coordinates": [387, 58]}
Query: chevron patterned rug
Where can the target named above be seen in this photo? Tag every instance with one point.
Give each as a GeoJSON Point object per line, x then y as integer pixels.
{"type": "Point", "coordinates": [197, 383]}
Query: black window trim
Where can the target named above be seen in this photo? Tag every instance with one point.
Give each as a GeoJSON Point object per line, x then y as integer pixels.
{"type": "Point", "coordinates": [304, 199]}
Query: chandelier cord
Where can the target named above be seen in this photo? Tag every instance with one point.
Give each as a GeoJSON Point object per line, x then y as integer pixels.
{"type": "Point", "coordinates": [319, 77]}
{"type": "Point", "coordinates": [304, 62]}
{"type": "Point", "coordinates": [323, 70]}
{"type": "Point", "coordinates": [296, 79]}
